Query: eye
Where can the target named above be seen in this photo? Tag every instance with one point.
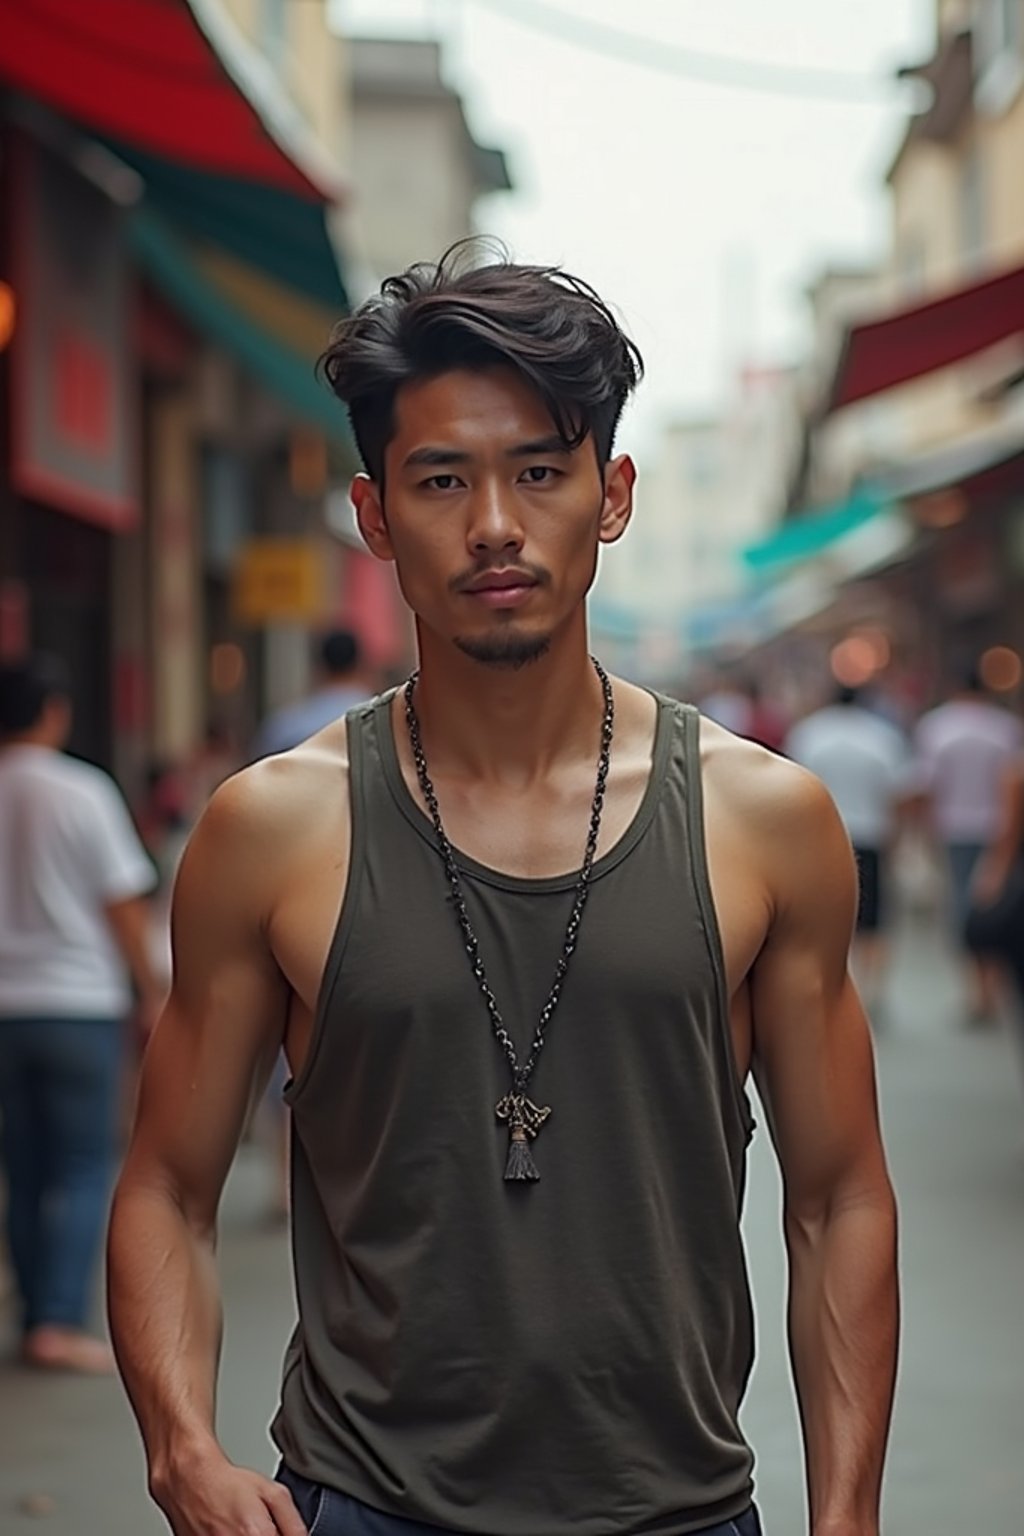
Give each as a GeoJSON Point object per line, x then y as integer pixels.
{"type": "Point", "coordinates": [540, 474]}
{"type": "Point", "coordinates": [440, 483]}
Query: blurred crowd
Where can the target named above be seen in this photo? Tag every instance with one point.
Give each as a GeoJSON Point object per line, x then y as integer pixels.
{"type": "Point", "coordinates": [934, 808]}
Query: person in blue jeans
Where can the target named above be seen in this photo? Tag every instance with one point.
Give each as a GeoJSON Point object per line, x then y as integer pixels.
{"type": "Point", "coordinates": [73, 934]}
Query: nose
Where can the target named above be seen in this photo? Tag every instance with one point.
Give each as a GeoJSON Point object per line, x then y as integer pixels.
{"type": "Point", "coordinates": [494, 522]}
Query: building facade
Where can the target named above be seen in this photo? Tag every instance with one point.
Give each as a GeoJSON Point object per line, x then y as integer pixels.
{"type": "Point", "coordinates": [419, 171]}
{"type": "Point", "coordinates": [917, 414]}
{"type": "Point", "coordinates": [171, 278]}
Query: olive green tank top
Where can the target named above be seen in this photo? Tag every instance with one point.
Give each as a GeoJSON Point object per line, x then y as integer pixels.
{"type": "Point", "coordinates": [522, 1359]}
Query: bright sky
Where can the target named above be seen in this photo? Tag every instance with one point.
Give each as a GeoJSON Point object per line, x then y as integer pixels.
{"type": "Point", "coordinates": [699, 212]}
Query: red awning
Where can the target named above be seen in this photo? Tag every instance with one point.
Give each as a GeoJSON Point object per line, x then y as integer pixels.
{"type": "Point", "coordinates": [903, 346]}
{"type": "Point", "coordinates": [142, 71]}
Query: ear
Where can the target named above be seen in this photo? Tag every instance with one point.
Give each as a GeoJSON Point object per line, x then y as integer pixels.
{"type": "Point", "coordinates": [369, 505]}
{"type": "Point", "coordinates": [617, 508]}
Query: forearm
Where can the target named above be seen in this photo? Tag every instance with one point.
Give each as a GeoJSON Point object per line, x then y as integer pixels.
{"type": "Point", "coordinates": [165, 1322]}
{"type": "Point", "coordinates": [843, 1324]}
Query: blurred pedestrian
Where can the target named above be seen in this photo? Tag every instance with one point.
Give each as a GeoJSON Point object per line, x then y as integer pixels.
{"type": "Point", "coordinates": [343, 684]}
{"type": "Point", "coordinates": [766, 724]}
{"type": "Point", "coordinates": [728, 704]}
{"type": "Point", "coordinates": [964, 750]}
{"type": "Point", "coordinates": [862, 760]}
{"type": "Point", "coordinates": [995, 921]}
{"type": "Point", "coordinates": [739, 704]}
{"type": "Point", "coordinates": [73, 929]}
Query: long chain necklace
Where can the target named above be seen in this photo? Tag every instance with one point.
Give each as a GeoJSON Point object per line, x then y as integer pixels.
{"type": "Point", "coordinates": [523, 1118]}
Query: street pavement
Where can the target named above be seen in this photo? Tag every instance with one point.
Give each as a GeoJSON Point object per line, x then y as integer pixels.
{"type": "Point", "coordinates": [953, 1107]}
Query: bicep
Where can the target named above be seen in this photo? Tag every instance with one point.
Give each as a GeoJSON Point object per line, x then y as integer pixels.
{"type": "Point", "coordinates": [219, 1032]}
{"type": "Point", "coordinates": [813, 1058]}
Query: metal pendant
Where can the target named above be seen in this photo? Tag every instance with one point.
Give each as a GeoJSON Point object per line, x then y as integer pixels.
{"type": "Point", "coordinates": [524, 1120]}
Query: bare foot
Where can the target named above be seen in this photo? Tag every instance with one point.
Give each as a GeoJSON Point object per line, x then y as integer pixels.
{"type": "Point", "coordinates": [67, 1349]}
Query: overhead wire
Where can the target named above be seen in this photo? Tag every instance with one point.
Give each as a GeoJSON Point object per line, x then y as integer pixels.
{"type": "Point", "coordinates": [796, 81]}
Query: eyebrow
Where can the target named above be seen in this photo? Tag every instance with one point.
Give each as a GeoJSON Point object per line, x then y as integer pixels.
{"type": "Point", "coordinates": [436, 458]}
{"type": "Point", "coordinates": [540, 445]}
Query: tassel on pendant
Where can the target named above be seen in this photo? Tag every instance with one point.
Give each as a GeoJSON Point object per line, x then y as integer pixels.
{"type": "Point", "coordinates": [520, 1163]}
{"type": "Point", "coordinates": [524, 1119]}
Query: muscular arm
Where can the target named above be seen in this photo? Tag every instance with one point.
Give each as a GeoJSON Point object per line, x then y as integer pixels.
{"type": "Point", "coordinates": [814, 1067]}
{"type": "Point", "coordinates": [215, 1041]}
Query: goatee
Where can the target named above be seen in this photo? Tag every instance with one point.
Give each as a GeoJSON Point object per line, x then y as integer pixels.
{"type": "Point", "coordinates": [510, 652]}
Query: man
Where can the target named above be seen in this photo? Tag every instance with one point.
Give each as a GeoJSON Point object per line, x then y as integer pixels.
{"type": "Point", "coordinates": [862, 761]}
{"type": "Point", "coordinates": [964, 750]}
{"type": "Point", "coordinates": [73, 926]}
{"type": "Point", "coordinates": [343, 686]}
{"type": "Point", "coordinates": [402, 902]}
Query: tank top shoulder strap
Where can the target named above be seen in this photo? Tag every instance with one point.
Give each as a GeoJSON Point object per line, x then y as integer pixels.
{"type": "Point", "coordinates": [365, 725]}
{"type": "Point", "coordinates": [360, 736]}
{"type": "Point", "coordinates": [687, 762]}
{"type": "Point", "coordinates": [688, 717]}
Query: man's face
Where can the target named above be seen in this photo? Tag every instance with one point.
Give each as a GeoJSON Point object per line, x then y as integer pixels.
{"type": "Point", "coordinates": [493, 524]}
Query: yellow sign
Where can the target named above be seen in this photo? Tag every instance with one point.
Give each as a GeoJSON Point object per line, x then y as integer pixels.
{"type": "Point", "coordinates": [8, 313]}
{"type": "Point", "coordinates": [277, 581]}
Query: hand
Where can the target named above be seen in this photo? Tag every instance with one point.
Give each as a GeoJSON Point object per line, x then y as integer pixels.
{"type": "Point", "coordinates": [211, 1497]}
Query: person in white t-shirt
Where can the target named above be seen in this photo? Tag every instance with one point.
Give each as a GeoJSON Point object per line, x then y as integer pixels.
{"type": "Point", "coordinates": [73, 936]}
{"type": "Point", "coordinates": [863, 761]}
{"type": "Point", "coordinates": [964, 750]}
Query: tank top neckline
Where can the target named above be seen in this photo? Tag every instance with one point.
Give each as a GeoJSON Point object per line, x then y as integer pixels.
{"type": "Point", "coordinates": [420, 822]}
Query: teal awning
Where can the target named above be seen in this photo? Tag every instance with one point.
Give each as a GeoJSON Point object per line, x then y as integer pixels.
{"type": "Point", "coordinates": [267, 227]}
{"type": "Point", "coordinates": [811, 533]}
{"type": "Point", "coordinates": [288, 375]}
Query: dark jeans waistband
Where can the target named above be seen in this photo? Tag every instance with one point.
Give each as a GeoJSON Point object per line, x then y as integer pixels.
{"type": "Point", "coordinates": [328, 1512]}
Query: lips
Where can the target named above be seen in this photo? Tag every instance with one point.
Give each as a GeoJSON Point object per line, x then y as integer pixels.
{"type": "Point", "coordinates": [502, 590]}
{"type": "Point", "coordinates": [500, 581]}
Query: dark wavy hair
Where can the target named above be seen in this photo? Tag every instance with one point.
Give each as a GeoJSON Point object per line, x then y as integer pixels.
{"type": "Point", "coordinates": [459, 312]}
{"type": "Point", "coordinates": [26, 687]}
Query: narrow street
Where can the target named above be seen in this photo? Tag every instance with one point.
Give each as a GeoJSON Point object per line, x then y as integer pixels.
{"type": "Point", "coordinates": [953, 1102]}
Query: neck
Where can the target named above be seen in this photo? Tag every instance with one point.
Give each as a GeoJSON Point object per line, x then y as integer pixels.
{"type": "Point", "coordinates": [502, 724]}
{"type": "Point", "coordinates": [36, 737]}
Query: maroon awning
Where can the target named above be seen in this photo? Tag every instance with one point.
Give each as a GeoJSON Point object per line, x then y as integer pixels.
{"type": "Point", "coordinates": [899, 347]}
{"type": "Point", "coordinates": [144, 73]}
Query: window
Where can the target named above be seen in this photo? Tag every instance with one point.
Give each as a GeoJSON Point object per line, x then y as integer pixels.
{"type": "Point", "coordinates": [998, 53]}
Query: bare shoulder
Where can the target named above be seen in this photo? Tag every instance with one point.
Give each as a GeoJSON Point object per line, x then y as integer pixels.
{"type": "Point", "coordinates": [781, 815]}
{"type": "Point", "coordinates": [267, 816]}
{"type": "Point", "coordinates": [767, 790]}
{"type": "Point", "coordinates": [275, 792]}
